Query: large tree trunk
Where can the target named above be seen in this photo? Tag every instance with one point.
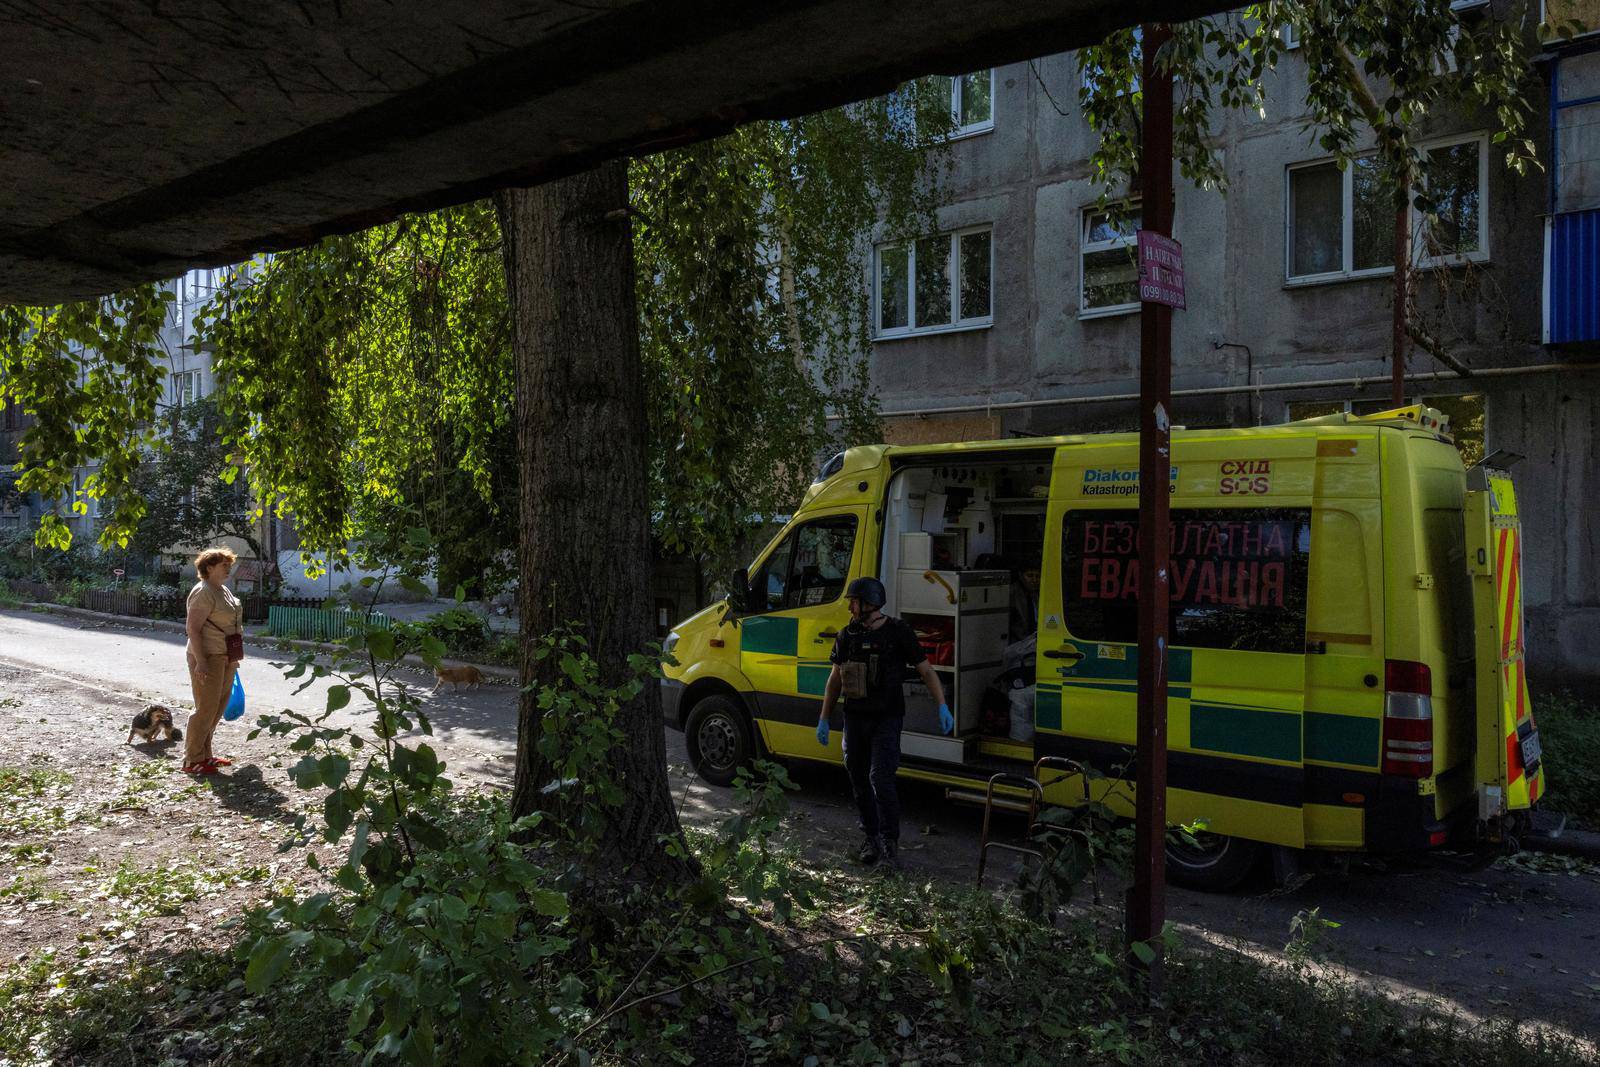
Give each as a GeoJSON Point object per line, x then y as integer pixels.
{"type": "Point", "coordinates": [584, 537]}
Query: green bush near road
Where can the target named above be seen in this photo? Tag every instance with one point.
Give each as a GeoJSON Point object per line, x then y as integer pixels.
{"type": "Point", "coordinates": [1569, 735]}
{"type": "Point", "coordinates": [466, 635]}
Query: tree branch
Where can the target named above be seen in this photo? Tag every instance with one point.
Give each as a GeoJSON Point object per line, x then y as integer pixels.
{"type": "Point", "coordinates": [1435, 348]}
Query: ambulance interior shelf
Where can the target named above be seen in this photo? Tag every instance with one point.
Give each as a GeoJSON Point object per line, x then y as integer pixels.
{"type": "Point", "coordinates": [956, 539]}
{"type": "Point", "coordinates": [963, 642]}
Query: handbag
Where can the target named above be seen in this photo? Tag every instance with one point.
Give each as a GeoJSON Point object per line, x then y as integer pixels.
{"type": "Point", "coordinates": [234, 642]}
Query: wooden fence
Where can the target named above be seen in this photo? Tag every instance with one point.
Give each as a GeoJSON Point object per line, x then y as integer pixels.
{"type": "Point", "coordinates": [35, 591]}
{"type": "Point", "coordinates": [317, 624]}
{"type": "Point", "coordinates": [143, 605]}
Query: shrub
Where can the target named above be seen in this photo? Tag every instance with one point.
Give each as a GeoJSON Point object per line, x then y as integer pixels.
{"type": "Point", "coordinates": [1569, 735]}
{"type": "Point", "coordinates": [463, 632]}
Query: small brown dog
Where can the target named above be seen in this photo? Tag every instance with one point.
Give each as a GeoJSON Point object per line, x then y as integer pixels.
{"type": "Point", "coordinates": [465, 675]}
{"type": "Point", "coordinates": [152, 721]}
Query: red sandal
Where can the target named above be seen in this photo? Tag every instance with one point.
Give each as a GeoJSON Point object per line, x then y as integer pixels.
{"type": "Point", "coordinates": [201, 768]}
{"type": "Point", "coordinates": [220, 761]}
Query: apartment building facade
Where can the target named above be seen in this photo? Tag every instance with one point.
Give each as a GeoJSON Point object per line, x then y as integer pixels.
{"type": "Point", "coordinates": [1019, 316]}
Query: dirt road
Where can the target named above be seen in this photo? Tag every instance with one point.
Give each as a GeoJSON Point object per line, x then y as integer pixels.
{"type": "Point", "coordinates": [1495, 941]}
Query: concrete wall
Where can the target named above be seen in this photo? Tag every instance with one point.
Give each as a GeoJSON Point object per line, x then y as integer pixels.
{"type": "Point", "coordinates": [1247, 325]}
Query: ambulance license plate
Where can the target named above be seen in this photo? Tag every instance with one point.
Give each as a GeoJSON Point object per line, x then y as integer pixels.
{"type": "Point", "coordinates": [1530, 751]}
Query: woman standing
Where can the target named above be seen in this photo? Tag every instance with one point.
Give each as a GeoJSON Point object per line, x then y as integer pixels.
{"type": "Point", "coordinates": [214, 615]}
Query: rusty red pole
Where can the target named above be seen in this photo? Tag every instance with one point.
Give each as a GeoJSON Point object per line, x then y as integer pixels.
{"type": "Point", "coordinates": [1147, 899]}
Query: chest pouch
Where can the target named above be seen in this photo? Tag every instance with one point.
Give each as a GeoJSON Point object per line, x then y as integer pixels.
{"type": "Point", "coordinates": [853, 676]}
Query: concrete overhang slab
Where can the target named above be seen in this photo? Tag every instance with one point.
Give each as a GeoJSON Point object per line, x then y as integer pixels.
{"type": "Point", "coordinates": [140, 140]}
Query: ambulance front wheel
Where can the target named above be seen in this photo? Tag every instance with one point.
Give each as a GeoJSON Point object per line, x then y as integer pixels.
{"type": "Point", "coordinates": [718, 738]}
{"type": "Point", "coordinates": [1215, 863]}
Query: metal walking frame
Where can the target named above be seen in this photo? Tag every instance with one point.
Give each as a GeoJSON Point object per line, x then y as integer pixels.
{"type": "Point", "coordinates": [1035, 787]}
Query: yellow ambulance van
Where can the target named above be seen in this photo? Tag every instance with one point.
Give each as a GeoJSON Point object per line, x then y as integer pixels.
{"type": "Point", "coordinates": [1346, 664]}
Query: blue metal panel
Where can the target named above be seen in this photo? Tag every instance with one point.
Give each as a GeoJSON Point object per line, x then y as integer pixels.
{"type": "Point", "coordinates": [1574, 282]}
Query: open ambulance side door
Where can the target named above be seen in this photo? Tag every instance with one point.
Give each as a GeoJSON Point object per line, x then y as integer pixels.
{"type": "Point", "coordinates": [1510, 776]}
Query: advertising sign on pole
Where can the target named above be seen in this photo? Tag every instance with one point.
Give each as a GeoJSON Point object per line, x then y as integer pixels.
{"type": "Point", "coordinates": [1160, 269]}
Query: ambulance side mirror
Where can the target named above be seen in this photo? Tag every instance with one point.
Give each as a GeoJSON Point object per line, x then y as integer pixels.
{"type": "Point", "coordinates": [740, 595]}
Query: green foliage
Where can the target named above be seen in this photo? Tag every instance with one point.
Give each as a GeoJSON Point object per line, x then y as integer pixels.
{"type": "Point", "coordinates": [1308, 932]}
{"type": "Point", "coordinates": [391, 348]}
{"type": "Point", "coordinates": [754, 322]}
{"type": "Point", "coordinates": [191, 493]}
{"type": "Point", "coordinates": [1569, 734]}
{"type": "Point", "coordinates": [463, 632]}
{"type": "Point", "coordinates": [1420, 56]}
{"type": "Point", "coordinates": [387, 348]}
{"type": "Point", "coordinates": [90, 374]}
{"type": "Point", "coordinates": [20, 557]}
{"type": "Point", "coordinates": [447, 916]}
{"type": "Point", "coordinates": [1075, 843]}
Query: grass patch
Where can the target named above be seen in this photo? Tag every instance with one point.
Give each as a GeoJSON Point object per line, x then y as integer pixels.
{"type": "Point", "coordinates": [187, 1007]}
{"type": "Point", "coordinates": [33, 801]}
{"type": "Point", "coordinates": [136, 893]}
{"type": "Point", "coordinates": [29, 891]}
{"type": "Point", "coordinates": [1569, 734]}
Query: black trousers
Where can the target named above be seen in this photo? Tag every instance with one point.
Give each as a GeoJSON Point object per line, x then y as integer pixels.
{"type": "Point", "coordinates": [872, 756]}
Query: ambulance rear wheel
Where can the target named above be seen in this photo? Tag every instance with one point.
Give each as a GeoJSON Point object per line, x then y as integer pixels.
{"type": "Point", "coordinates": [718, 738]}
{"type": "Point", "coordinates": [1215, 863]}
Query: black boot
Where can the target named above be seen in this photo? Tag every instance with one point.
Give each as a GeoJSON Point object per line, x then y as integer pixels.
{"type": "Point", "coordinates": [889, 852]}
{"type": "Point", "coordinates": [870, 852]}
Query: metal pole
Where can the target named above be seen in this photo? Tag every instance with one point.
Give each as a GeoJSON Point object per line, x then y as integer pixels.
{"type": "Point", "coordinates": [1402, 262]}
{"type": "Point", "coordinates": [1147, 899]}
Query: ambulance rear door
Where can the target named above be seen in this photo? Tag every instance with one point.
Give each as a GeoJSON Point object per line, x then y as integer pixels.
{"type": "Point", "coordinates": [1510, 773]}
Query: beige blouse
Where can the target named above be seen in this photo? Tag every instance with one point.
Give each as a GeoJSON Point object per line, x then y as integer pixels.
{"type": "Point", "coordinates": [222, 610]}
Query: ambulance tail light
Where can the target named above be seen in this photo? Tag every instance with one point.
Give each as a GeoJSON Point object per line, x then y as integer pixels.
{"type": "Point", "coordinates": [1408, 720]}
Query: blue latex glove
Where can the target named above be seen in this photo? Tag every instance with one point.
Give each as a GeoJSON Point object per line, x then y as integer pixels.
{"type": "Point", "coordinates": [947, 721]}
{"type": "Point", "coordinates": [822, 733]}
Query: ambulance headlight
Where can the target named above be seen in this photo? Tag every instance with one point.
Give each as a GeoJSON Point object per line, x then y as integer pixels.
{"type": "Point", "coordinates": [670, 643]}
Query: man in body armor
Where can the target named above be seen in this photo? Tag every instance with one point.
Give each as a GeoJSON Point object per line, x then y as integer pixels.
{"type": "Point", "coordinates": [872, 657]}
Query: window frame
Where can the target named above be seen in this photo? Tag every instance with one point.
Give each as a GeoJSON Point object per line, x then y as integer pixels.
{"type": "Point", "coordinates": [1453, 259]}
{"type": "Point", "coordinates": [791, 539]}
{"type": "Point", "coordinates": [1419, 259]}
{"type": "Point", "coordinates": [181, 393]}
{"type": "Point", "coordinates": [971, 129]}
{"type": "Point", "coordinates": [953, 261]}
{"type": "Point", "coordinates": [1086, 246]}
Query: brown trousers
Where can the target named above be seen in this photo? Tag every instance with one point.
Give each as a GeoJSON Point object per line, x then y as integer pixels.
{"type": "Point", "coordinates": [210, 698]}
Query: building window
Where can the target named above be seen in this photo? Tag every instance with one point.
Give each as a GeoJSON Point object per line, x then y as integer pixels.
{"type": "Point", "coordinates": [1341, 222]}
{"type": "Point", "coordinates": [186, 387]}
{"type": "Point", "coordinates": [972, 102]}
{"type": "Point", "coordinates": [1458, 177]}
{"type": "Point", "coordinates": [1109, 274]}
{"type": "Point", "coordinates": [943, 282]}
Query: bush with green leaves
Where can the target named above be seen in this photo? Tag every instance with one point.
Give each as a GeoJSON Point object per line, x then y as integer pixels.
{"type": "Point", "coordinates": [463, 632]}
{"type": "Point", "coordinates": [436, 938]}
{"type": "Point", "coordinates": [1569, 734]}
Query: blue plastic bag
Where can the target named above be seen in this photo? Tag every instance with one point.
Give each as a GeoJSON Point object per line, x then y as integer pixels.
{"type": "Point", "coordinates": [235, 708]}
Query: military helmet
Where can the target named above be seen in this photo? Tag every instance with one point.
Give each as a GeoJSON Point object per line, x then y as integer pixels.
{"type": "Point", "coordinates": [869, 591]}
